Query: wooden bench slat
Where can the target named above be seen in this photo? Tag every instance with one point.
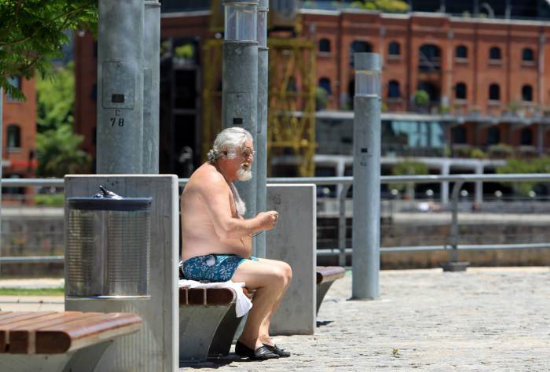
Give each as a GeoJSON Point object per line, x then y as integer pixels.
{"type": "Point", "coordinates": [16, 317]}
{"type": "Point", "coordinates": [11, 322]}
{"type": "Point", "coordinates": [5, 331]}
{"type": "Point", "coordinates": [6, 314]}
{"type": "Point", "coordinates": [75, 335]}
{"type": "Point", "coordinates": [329, 273]}
{"type": "Point", "coordinates": [206, 296]}
{"type": "Point", "coordinates": [22, 338]}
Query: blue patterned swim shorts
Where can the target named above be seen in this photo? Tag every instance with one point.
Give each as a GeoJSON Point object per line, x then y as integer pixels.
{"type": "Point", "coordinates": [213, 267]}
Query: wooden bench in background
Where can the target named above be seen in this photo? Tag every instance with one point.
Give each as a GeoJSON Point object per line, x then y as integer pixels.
{"type": "Point", "coordinates": [53, 341]}
{"type": "Point", "coordinates": [326, 275]}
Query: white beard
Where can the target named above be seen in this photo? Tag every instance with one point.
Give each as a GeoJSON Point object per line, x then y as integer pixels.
{"type": "Point", "coordinates": [239, 203]}
{"type": "Point", "coordinates": [244, 174]}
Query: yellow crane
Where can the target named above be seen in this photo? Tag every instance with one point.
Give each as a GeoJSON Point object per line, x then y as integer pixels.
{"type": "Point", "coordinates": [291, 111]}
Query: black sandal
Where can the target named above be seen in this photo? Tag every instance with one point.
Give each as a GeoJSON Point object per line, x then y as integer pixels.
{"type": "Point", "coordinates": [261, 353]}
{"type": "Point", "coordinates": [277, 350]}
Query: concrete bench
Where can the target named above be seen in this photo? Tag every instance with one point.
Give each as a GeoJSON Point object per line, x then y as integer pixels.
{"type": "Point", "coordinates": [326, 275]}
{"type": "Point", "coordinates": [57, 341]}
{"type": "Point", "coordinates": [207, 322]}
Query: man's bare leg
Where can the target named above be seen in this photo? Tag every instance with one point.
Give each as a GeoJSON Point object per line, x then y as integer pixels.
{"type": "Point", "coordinates": [269, 281]}
{"type": "Point", "coordinates": [266, 323]}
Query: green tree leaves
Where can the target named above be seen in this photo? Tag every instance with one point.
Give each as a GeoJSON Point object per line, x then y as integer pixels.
{"type": "Point", "coordinates": [392, 6]}
{"type": "Point", "coordinates": [32, 32]}
{"type": "Point", "coordinates": [58, 148]}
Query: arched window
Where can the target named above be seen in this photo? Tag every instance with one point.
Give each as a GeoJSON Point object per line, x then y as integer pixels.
{"type": "Point", "coordinates": [16, 82]}
{"type": "Point", "coordinates": [14, 136]}
{"type": "Point", "coordinates": [493, 135]}
{"type": "Point", "coordinates": [358, 47]}
{"type": "Point", "coordinates": [461, 92]}
{"type": "Point", "coordinates": [494, 54]}
{"type": "Point", "coordinates": [393, 89]}
{"type": "Point", "coordinates": [461, 52]}
{"type": "Point", "coordinates": [494, 92]}
{"type": "Point", "coordinates": [429, 58]}
{"type": "Point", "coordinates": [394, 49]}
{"type": "Point", "coordinates": [458, 134]}
{"type": "Point", "coordinates": [527, 55]}
{"type": "Point", "coordinates": [324, 46]}
{"type": "Point", "coordinates": [527, 93]}
{"type": "Point", "coordinates": [325, 84]}
{"type": "Point", "coordinates": [526, 137]}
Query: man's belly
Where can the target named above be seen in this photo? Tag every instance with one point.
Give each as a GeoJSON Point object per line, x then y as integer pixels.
{"type": "Point", "coordinates": [193, 247]}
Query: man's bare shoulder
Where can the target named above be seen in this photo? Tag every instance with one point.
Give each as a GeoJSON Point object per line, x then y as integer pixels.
{"type": "Point", "coordinates": [206, 178]}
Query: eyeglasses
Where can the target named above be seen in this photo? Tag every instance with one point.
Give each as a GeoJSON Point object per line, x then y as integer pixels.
{"type": "Point", "coordinates": [247, 152]}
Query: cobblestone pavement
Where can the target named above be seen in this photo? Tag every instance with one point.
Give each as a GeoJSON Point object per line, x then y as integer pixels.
{"type": "Point", "coordinates": [484, 319]}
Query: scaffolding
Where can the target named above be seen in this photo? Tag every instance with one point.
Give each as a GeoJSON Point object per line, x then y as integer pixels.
{"type": "Point", "coordinates": [291, 111]}
{"type": "Point", "coordinates": [291, 114]}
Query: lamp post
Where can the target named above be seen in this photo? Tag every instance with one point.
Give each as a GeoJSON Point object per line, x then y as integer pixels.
{"type": "Point", "coordinates": [120, 87]}
{"type": "Point", "coordinates": [240, 79]}
{"type": "Point", "coordinates": [1, 156]}
{"type": "Point", "coordinates": [366, 177]}
{"type": "Point", "coordinates": [151, 86]}
{"type": "Point", "coordinates": [261, 133]}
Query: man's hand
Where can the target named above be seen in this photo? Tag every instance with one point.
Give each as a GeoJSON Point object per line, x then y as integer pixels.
{"type": "Point", "coordinates": [268, 220]}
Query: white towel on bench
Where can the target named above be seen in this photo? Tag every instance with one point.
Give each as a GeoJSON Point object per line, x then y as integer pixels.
{"type": "Point", "coordinates": [243, 303]}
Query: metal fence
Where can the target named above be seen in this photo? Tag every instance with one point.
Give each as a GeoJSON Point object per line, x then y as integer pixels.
{"type": "Point", "coordinates": [460, 206]}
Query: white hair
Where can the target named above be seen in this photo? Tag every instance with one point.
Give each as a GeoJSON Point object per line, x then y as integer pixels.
{"type": "Point", "coordinates": [227, 142]}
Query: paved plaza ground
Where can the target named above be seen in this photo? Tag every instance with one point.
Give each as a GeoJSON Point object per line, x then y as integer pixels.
{"type": "Point", "coordinates": [486, 319]}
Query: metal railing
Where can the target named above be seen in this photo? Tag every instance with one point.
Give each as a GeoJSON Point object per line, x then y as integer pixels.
{"type": "Point", "coordinates": [343, 184]}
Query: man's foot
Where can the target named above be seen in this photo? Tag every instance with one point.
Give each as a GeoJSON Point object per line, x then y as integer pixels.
{"type": "Point", "coordinates": [261, 353]}
{"type": "Point", "coordinates": [277, 350]}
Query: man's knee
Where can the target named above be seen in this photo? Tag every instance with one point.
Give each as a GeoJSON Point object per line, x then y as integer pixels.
{"type": "Point", "coordinates": [284, 273]}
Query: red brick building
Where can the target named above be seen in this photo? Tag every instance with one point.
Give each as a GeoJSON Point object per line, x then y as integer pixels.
{"type": "Point", "coordinates": [486, 80]}
{"type": "Point", "coordinates": [18, 147]}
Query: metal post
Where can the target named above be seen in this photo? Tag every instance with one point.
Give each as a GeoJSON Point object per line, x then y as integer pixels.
{"type": "Point", "coordinates": [261, 133]}
{"type": "Point", "coordinates": [151, 86]}
{"type": "Point", "coordinates": [366, 177]}
{"type": "Point", "coordinates": [120, 87]}
{"type": "Point", "coordinates": [454, 265]}
{"type": "Point", "coordinates": [1, 157]}
{"type": "Point", "coordinates": [342, 228]}
{"type": "Point", "coordinates": [240, 79]}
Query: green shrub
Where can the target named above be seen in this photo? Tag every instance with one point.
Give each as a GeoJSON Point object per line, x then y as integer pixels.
{"type": "Point", "coordinates": [49, 200]}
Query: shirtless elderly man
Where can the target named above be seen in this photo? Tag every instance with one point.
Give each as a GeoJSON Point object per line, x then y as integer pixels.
{"type": "Point", "coordinates": [217, 240]}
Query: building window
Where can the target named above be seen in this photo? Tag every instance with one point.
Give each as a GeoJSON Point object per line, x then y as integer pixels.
{"type": "Point", "coordinates": [14, 136]}
{"type": "Point", "coordinates": [358, 47]}
{"type": "Point", "coordinates": [494, 54]}
{"type": "Point", "coordinates": [526, 137]}
{"type": "Point", "coordinates": [429, 58]}
{"type": "Point", "coordinates": [324, 46]}
{"type": "Point", "coordinates": [527, 93]}
{"type": "Point", "coordinates": [458, 134]}
{"type": "Point", "coordinates": [325, 84]}
{"type": "Point", "coordinates": [394, 49]}
{"type": "Point", "coordinates": [527, 55]}
{"type": "Point", "coordinates": [393, 89]}
{"type": "Point", "coordinates": [493, 136]}
{"type": "Point", "coordinates": [16, 82]}
{"type": "Point", "coordinates": [461, 52]}
{"type": "Point", "coordinates": [460, 91]}
{"type": "Point", "coordinates": [494, 92]}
